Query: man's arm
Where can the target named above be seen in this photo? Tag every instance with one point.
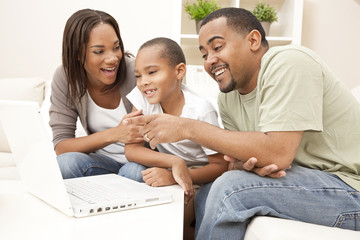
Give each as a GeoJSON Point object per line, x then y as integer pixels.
{"type": "Point", "coordinates": [268, 148]}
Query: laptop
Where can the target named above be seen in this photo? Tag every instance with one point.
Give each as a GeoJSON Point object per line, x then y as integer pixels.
{"type": "Point", "coordinates": [36, 161]}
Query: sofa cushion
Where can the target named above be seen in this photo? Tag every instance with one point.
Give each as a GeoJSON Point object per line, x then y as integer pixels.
{"type": "Point", "coordinates": [270, 228]}
{"type": "Point", "coordinates": [25, 89]}
{"type": "Point", "coordinates": [356, 92]}
{"type": "Point", "coordinates": [6, 160]}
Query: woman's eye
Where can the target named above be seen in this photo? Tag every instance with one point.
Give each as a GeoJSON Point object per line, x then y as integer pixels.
{"type": "Point", "coordinates": [137, 76]}
{"type": "Point", "coordinates": [117, 47]}
{"type": "Point", "coordinates": [204, 56]}
{"type": "Point", "coordinates": [152, 72]}
{"type": "Point", "coordinates": [98, 52]}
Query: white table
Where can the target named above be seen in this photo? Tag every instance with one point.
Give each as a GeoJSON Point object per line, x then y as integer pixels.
{"type": "Point", "coordinates": [23, 216]}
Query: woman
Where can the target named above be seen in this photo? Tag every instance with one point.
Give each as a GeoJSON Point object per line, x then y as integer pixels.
{"type": "Point", "coordinates": [92, 84]}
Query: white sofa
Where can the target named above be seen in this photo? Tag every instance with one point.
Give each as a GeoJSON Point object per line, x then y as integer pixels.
{"type": "Point", "coordinates": [25, 89]}
{"type": "Point", "coordinates": [264, 228]}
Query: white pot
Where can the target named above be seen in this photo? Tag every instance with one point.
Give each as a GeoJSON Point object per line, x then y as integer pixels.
{"type": "Point", "coordinates": [266, 27]}
{"type": "Point", "coordinates": [197, 24]}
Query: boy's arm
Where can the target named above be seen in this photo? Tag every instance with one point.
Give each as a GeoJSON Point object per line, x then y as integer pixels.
{"type": "Point", "coordinates": [150, 158]}
{"type": "Point", "coordinates": [136, 152]}
{"type": "Point", "coordinates": [208, 173]}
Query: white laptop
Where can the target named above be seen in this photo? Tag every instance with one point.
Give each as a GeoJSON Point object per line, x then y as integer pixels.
{"type": "Point", "coordinates": [38, 168]}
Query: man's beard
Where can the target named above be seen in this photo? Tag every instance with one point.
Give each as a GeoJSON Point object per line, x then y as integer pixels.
{"type": "Point", "coordinates": [230, 86]}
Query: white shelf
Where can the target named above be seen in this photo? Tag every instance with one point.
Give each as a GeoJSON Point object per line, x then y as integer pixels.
{"type": "Point", "coordinates": [189, 36]}
{"type": "Point", "coordinates": [287, 30]}
{"type": "Point", "coordinates": [269, 38]}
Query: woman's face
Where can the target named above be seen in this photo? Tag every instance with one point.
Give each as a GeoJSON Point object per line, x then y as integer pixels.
{"type": "Point", "coordinates": [103, 55]}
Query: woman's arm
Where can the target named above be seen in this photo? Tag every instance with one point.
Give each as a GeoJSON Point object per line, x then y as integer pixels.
{"type": "Point", "coordinates": [93, 142]}
{"type": "Point", "coordinates": [63, 118]}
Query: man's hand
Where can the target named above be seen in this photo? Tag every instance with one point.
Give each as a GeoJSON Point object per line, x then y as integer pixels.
{"type": "Point", "coordinates": [250, 165]}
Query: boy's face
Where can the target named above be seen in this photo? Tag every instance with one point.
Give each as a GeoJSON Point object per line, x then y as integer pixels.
{"type": "Point", "coordinates": [155, 78]}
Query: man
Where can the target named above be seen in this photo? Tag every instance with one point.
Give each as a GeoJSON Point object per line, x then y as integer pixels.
{"type": "Point", "coordinates": [283, 106]}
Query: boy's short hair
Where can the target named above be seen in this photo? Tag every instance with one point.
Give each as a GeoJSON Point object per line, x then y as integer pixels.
{"type": "Point", "coordinates": [171, 50]}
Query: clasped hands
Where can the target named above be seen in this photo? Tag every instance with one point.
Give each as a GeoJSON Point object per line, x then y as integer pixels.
{"type": "Point", "coordinates": [271, 170]}
{"type": "Point", "coordinates": [162, 128]}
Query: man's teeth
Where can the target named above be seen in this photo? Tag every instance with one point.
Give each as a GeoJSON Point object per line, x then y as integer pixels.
{"type": "Point", "coordinates": [217, 73]}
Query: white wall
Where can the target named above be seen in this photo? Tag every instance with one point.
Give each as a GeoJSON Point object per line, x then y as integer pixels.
{"type": "Point", "coordinates": [332, 29]}
{"type": "Point", "coordinates": [31, 30]}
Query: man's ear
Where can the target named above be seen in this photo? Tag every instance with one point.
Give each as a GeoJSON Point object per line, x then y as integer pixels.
{"type": "Point", "coordinates": [180, 71]}
{"type": "Point", "coordinates": [254, 40]}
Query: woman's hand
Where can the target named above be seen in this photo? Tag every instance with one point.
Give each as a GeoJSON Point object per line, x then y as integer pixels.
{"type": "Point", "coordinates": [270, 171]}
{"type": "Point", "coordinates": [128, 133]}
{"type": "Point", "coordinates": [159, 128]}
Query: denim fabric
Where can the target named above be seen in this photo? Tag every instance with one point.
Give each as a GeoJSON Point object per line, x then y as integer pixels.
{"type": "Point", "coordinates": [133, 171]}
{"type": "Point", "coordinates": [76, 164]}
{"type": "Point", "coordinates": [199, 204]}
{"type": "Point", "coordinates": [304, 194]}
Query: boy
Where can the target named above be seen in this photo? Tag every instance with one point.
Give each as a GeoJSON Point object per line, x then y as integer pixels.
{"type": "Point", "coordinates": [159, 70]}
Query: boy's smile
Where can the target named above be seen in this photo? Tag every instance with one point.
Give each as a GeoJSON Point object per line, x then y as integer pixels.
{"type": "Point", "coordinates": [156, 79]}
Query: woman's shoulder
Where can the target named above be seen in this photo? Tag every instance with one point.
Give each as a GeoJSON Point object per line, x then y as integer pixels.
{"type": "Point", "coordinates": [59, 72]}
{"type": "Point", "coordinates": [59, 77]}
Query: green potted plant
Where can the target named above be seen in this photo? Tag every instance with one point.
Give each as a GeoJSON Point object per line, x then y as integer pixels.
{"type": "Point", "coordinates": [199, 10]}
{"type": "Point", "coordinates": [265, 14]}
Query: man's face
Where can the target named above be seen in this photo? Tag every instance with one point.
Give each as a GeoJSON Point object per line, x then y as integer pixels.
{"type": "Point", "coordinates": [226, 54]}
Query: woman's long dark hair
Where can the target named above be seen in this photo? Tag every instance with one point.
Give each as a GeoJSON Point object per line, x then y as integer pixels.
{"type": "Point", "coordinates": [75, 40]}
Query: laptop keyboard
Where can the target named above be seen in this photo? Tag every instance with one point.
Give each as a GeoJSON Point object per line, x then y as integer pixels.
{"type": "Point", "coordinates": [92, 192]}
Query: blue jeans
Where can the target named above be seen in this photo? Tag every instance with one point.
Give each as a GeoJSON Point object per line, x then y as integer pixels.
{"type": "Point", "coordinates": [77, 164]}
{"type": "Point", "coordinates": [132, 171]}
{"type": "Point", "coordinates": [304, 194]}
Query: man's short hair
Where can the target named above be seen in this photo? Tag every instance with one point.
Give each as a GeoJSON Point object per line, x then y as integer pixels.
{"type": "Point", "coordinates": [240, 20]}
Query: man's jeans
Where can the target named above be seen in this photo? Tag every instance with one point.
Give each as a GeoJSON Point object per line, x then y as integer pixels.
{"type": "Point", "coordinates": [76, 164]}
{"type": "Point", "coordinates": [304, 194]}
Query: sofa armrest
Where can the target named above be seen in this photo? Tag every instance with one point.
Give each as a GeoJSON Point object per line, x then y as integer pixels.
{"type": "Point", "coordinates": [270, 228]}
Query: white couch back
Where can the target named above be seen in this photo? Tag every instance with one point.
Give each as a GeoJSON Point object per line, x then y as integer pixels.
{"type": "Point", "coordinates": [24, 89]}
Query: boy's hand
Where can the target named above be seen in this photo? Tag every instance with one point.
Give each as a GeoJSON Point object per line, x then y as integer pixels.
{"type": "Point", "coordinates": [157, 177]}
{"type": "Point", "coordinates": [182, 176]}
